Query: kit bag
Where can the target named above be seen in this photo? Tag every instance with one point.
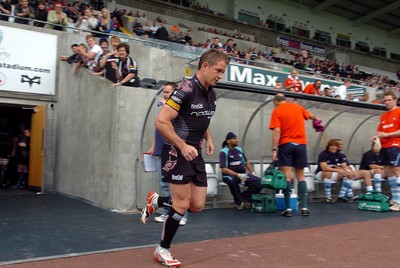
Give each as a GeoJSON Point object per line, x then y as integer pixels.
{"type": "Point", "coordinates": [263, 203]}
{"type": "Point", "coordinates": [273, 178]}
{"type": "Point", "coordinates": [373, 201]}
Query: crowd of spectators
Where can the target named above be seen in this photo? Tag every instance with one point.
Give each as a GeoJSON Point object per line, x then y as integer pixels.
{"type": "Point", "coordinates": [82, 18]}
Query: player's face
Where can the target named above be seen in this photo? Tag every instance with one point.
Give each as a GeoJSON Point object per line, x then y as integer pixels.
{"type": "Point", "coordinates": [233, 142]}
{"type": "Point", "coordinates": [167, 91]}
{"type": "Point", "coordinates": [389, 102]}
{"type": "Point", "coordinates": [333, 149]}
{"type": "Point", "coordinates": [214, 73]}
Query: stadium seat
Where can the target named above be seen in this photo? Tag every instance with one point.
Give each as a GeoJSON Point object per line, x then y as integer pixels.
{"type": "Point", "coordinates": [162, 82]}
{"type": "Point", "coordinates": [146, 84]}
{"type": "Point", "coordinates": [150, 80]}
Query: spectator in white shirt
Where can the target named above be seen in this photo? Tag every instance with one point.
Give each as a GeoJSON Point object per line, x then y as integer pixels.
{"type": "Point", "coordinates": [342, 90]}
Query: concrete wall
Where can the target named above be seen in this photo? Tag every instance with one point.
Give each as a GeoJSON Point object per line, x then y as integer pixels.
{"type": "Point", "coordinates": [96, 133]}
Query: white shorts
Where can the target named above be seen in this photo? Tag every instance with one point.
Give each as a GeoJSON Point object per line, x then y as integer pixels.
{"type": "Point", "coordinates": [333, 177]}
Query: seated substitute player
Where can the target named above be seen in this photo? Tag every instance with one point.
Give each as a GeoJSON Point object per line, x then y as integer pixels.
{"type": "Point", "coordinates": [372, 161]}
{"type": "Point", "coordinates": [332, 168]}
{"type": "Point", "coordinates": [233, 163]}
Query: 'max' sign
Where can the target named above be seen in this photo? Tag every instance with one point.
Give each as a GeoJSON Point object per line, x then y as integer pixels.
{"type": "Point", "coordinates": [261, 77]}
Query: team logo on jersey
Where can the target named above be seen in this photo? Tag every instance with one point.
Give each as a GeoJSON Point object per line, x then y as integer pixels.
{"type": "Point", "coordinates": [186, 86]}
{"type": "Point", "coordinates": [30, 81]}
{"type": "Point", "coordinates": [173, 104]}
{"type": "Point", "coordinates": [170, 164]}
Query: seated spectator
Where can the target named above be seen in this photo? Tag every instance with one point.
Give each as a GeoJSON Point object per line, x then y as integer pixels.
{"type": "Point", "coordinates": [87, 22]}
{"type": "Point", "coordinates": [228, 47]}
{"type": "Point", "coordinates": [74, 11]}
{"type": "Point", "coordinates": [233, 163]}
{"type": "Point", "coordinates": [293, 83]}
{"type": "Point", "coordinates": [162, 33]}
{"type": "Point", "coordinates": [74, 58]}
{"type": "Point", "coordinates": [138, 28]}
{"type": "Point", "coordinates": [373, 162]}
{"type": "Point", "coordinates": [215, 43]}
{"type": "Point", "coordinates": [342, 90]}
{"type": "Point", "coordinates": [153, 29]}
{"type": "Point", "coordinates": [314, 88]}
{"type": "Point", "coordinates": [364, 97]}
{"type": "Point", "coordinates": [174, 28]}
{"type": "Point", "coordinates": [117, 24]}
{"type": "Point", "coordinates": [105, 24]}
{"type": "Point", "coordinates": [332, 168]}
{"type": "Point", "coordinates": [126, 70]}
{"type": "Point", "coordinates": [40, 14]}
{"type": "Point", "coordinates": [328, 91]}
{"type": "Point", "coordinates": [58, 17]}
{"type": "Point", "coordinates": [23, 11]}
{"type": "Point", "coordinates": [5, 8]}
{"type": "Point", "coordinates": [180, 37]}
{"type": "Point", "coordinates": [278, 85]}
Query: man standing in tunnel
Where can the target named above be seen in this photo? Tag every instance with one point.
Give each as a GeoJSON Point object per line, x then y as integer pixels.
{"type": "Point", "coordinates": [289, 146]}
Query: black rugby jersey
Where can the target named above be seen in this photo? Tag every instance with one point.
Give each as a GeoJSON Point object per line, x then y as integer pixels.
{"type": "Point", "coordinates": [195, 105]}
{"type": "Point", "coordinates": [332, 160]}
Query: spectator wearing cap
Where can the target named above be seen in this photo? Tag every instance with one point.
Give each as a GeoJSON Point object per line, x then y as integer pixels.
{"type": "Point", "coordinates": [234, 163]}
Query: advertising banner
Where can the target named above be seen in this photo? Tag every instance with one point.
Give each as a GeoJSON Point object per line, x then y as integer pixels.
{"type": "Point", "coordinates": [261, 77]}
{"type": "Point", "coordinates": [299, 45]}
{"type": "Point", "coordinates": [27, 61]}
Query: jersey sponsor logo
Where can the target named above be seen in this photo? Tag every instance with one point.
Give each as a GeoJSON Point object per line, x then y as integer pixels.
{"type": "Point", "coordinates": [388, 126]}
{"type": "Point", "coordinates": [173, 104]}
{"type": "Point", "coordinates": [235, 163]}
{"type": "Point", "coordinates": [179, 94]}
{"type": "Point", "coordinates": [176, 99]}
{"type": "Point", "coordinates": [196, 106]}
{"type": "Point", "coordinates": [176, 177]}
{"type": "Point", "coordinates": [203, 113]}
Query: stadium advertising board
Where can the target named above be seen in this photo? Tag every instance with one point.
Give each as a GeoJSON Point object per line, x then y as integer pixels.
{"type": "Point", "coordinates": [299, 45]}
{"type": "Point", "coordinates": [256, 76]}
{"type": "Point", "coordinates": [27, 61]}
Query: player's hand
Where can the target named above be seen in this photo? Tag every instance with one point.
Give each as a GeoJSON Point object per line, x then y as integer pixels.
{"type": "Point", "coordinates": [189, 152]}
{"type": "Point", "coordinates": [274, 155]}
{"type": "Point", "coordinates": [209, 147]}
{"type": "Point", "coordinates": [243, 177]}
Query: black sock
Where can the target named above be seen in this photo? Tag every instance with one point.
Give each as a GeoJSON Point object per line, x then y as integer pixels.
{"type": "Point", "coordinates": [164, 201]}
{"type": "Point", "coordinates": [171, 225]}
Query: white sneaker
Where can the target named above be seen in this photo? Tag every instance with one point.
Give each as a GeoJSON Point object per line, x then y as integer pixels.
{"type": "Point", "coordinates": [163, 256]}
{"type": "Point", "coordinates": [183, 222]}
{"type": "Point", "coordinates": [160, 218]}
{"type": "Point", "coordinates": [395, 207]}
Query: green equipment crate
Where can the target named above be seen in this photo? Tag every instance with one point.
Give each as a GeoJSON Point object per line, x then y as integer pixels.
{"type": "Point", "coordinates": [263, 203]}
